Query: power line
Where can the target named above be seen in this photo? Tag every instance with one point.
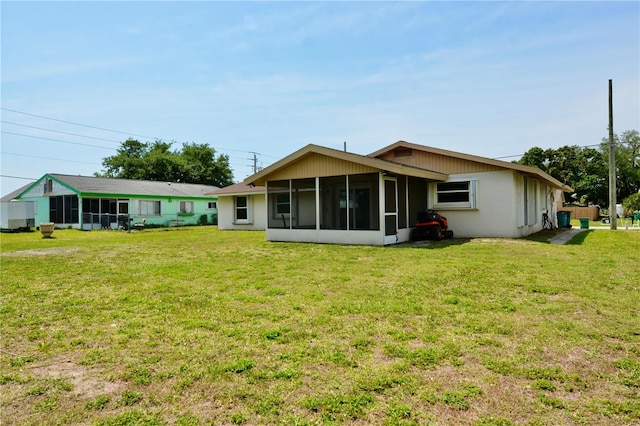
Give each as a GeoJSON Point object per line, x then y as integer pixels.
{"type": "Point", "coordinates": [17, 177]}
{"type": "Point", "coordinates": [45, 158]}
{"type": "Point", "coordinates": [59, 131]}
{"type": "Point", "coordinates": [102, 128]}
{"type": "Point", "coordinates": [579, 146]}
{"type": "Point", "coordinates": [57, 140]}
{"type": "Point", "coordinates": [77, 124]}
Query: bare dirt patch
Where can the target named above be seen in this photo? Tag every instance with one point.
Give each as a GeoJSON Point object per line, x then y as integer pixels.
{"type": "Point", "coordinates": [43, 252]}
{"type": "Point", "coordinates": [85, 384]}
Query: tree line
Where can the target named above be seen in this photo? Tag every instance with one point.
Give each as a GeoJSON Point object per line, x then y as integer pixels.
{"type": "Point", "coordinates": [194, 163]}
{"type": "Point", "coordinates": [586, 169]}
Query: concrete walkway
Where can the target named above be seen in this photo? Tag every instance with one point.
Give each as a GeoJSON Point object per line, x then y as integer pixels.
{"type": "Point", "coordinates": [566, 236]}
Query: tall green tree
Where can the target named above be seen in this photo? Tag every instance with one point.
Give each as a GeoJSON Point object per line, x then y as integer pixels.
{"type": "Point", "coordinates": [627, 162]}
{"type": "Point", "coordinates": [194, 163]}
{"type": "Point", "coordinates": [586, 170]}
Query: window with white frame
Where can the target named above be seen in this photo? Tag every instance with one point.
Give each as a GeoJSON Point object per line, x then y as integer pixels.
{"type": "Point", "coordinates": [279, 204]}
{"type": "Point", "coordinates": [212, 205]}
{"type": "Point", "coordinates": [241, 209]}
{"type": "Point", "coordinates": [185, 207]}
{"type": "Point", "coordinates": [146, 208]}
{"type": "Point", "coordinates": [283, 204]}
{"type": "Point", "coordinates": [454, 195]}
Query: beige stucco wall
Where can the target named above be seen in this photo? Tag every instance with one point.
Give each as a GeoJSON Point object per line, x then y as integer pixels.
{"type": "Point", "coordinates": [499, 207]}
{"type": "Point", "coordinates": [257, 213]}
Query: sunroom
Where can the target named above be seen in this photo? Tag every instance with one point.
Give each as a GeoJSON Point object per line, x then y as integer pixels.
{"type": "Point", "coordinates": [323, 195]}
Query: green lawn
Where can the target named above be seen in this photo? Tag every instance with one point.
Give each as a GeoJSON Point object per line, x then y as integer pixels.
{"type": "Point", "coordinates": [196, 326]}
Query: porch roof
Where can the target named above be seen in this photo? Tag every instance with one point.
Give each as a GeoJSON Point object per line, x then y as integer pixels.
{"type": "Point", "coordinates": [262, 176]}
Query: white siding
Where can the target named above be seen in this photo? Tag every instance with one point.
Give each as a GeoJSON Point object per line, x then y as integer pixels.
{"type": "Point", "coordinates": [494, 215]}
{"type": "Point", "coordinates": [257, 212]}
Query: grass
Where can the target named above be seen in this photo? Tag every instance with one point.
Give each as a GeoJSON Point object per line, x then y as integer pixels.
{"type": "Point", "coordinates": [196, 326]}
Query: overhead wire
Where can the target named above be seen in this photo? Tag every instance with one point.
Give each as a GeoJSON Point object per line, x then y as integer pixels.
{"type": "Point", "coordinates": [109, 130]}
{"type": "Point", "coordinates": [59, 131]}
{"type": "Point", "coordinates": [143, 136]}
{"type": "Point", "coordinates": [45, 158]}
{"type": "Point", "coordinates": [76, 124]}
{"type": "Point", "coordinates": [56, 140]}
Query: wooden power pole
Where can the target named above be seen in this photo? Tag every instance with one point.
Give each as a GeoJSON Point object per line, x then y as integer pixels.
{"type": "Point", "coordinates": [613, 217]}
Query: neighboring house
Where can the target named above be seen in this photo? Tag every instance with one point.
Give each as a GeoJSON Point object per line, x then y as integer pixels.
{"type": "Point", "coordinates": [85, 202]}
{"type": "Point", "coordinates": [241, 206]}
{"type": "Point", "coordinates": [324, 195]}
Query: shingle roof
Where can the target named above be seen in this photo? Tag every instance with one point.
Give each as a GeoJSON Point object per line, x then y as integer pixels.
{"type": "Point", "coordinates": [498, 163]}
{"type": "Point", "coordinates": [96, 185]}
{"type": "Point", "coordinates": [238, 188]}
{"type": "Point", "coordinates": [12, 195]}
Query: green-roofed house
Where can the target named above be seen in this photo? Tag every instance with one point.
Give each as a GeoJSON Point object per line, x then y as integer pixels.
{"type": "Point", "coordinates": [85, 202]}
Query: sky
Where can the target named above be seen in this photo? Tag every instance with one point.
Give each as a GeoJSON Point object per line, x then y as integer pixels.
{"type": "Point", "coordinates": [260, 80]}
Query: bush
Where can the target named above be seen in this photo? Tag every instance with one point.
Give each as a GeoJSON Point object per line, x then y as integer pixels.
{"type": "Point", "coordinates": [203, 220]}
{"type": "Point", "coordinates": [631, 204]}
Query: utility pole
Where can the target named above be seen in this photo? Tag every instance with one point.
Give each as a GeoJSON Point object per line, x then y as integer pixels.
{"type": "Point", "coordinates": [255, 161]}
{"type": "Point", "coordinates": [612, 165]}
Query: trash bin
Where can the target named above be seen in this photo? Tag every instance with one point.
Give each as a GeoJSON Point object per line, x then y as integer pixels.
{"type": "Point", "coordinates": [584, 223]}
{"type": "Point", "coordinates": [564, 219]}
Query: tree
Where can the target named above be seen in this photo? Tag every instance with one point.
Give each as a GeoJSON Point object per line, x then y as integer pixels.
{"type": "Point", "coordinates": [627, 162]}
{"type": "Point", "coordinates": [577, 167]}
{"type": "Point", "coordinates": [195, 163]}
{"type": "Point", "coordinates": [586, 170]}
{"type": "Point", "coordinates": [631, 204]}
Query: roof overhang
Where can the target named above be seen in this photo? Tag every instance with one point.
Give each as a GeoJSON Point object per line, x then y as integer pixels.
{"type": "Point", "coordinates": [528, 170]}
{"type": "Point", "coordinates": [260, 178]}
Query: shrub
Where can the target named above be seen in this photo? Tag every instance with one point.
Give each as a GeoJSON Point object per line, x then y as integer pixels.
{"type": "Point", "coordinates": [631, 204]}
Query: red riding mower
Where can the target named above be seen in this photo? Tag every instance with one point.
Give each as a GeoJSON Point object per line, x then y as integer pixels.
{"type": "Point", "coordinates": [430, 226]}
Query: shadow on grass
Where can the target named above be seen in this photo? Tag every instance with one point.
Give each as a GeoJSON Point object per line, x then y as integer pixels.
{"type": "Point", "coordinates": [543, 236]}
{"type": "Point", "coordinates": [579, 238]}
{"type": "Point", "coordinates": [430, 244]}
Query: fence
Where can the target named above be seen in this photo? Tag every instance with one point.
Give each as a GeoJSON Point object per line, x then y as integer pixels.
{"type": "Point", "coordinates": [593, 213]}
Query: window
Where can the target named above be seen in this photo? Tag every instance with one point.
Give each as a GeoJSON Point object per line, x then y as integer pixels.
{"type": "Point", "coordinates": [185, 207]}
{"type": "Point", "coordinates": [242, 209]}
{"type": "Point", "coordinates": [146, 208]}
{"type": "Point", "coordinates": [303, 203]}
{"type": "Point", "coordinates": [283, 205]}
{"type": "Point", "coordinates": [212, 205]}
{"type": "Point", "coordinates": [455, 195]}
{"type": "Point", "coordinates": [63, 209]}
{"type": "Point", "coordinates": [350, 202]}
{"type": "Point", "coordinates": [279, 201]}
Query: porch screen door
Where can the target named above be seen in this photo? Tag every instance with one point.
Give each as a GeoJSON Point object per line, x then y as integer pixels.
{"type": "Point", "coordinates": [390, 211]}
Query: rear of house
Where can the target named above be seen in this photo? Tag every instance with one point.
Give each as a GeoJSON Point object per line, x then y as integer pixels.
{"type": "Point", "coordinates": [323, 195]}
{"type": "Point", "coordinates": [85, 202]}
{"type": "Point", "coordinates": [241, 207]}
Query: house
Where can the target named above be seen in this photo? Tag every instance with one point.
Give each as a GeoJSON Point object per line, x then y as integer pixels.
{"type": "Point", "coordinates": [323, 195]}
{"type": "Point", "coordinates": [241, 206]}
{"type": "Point", "coordinates": [85, 202]}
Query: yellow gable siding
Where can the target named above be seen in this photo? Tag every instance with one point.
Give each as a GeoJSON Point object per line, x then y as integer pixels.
{"type": "Point", "coordinates": [439, 163]}
{"type": "Point", "coordinates": [318, 166]}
